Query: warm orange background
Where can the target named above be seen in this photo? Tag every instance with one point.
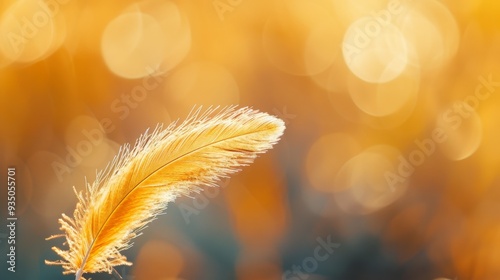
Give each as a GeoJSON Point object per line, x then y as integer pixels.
{"type": "Point", "coordinates": [359, 83]}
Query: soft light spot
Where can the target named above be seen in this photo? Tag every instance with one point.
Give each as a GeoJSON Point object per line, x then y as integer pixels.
{"type": "Point", "coordinates": [385, 98]}
{"type": "Point", "coordinates": [175, 30]}
{"type": "Point", "coordinates": [365, 176]}
{"type": "Point", "coordinates": [375, 52]}
{"type": "Point", "coordinates": [30, 31]}
{"type": "Point", "coordinates": [133, 45]}
{"type": "Point", "coordinates": [326, 157]}
{"type": "Point", "coordinates": [464, 131]}
{"type": "Point", "coordinates": [299, 38]}
{"type": "Point", "coordinates": [435, 40]}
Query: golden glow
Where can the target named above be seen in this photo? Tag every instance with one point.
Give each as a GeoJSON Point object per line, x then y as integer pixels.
{"type": "Point", "coordinates": [365, 87]}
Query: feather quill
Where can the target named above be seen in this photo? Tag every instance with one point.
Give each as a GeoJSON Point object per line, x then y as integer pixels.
{"type": "Point", "coordinates": [140, 181]}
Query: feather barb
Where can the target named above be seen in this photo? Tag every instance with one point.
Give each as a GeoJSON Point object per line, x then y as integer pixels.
{"type": "Point", "coordinates": [138, 183]}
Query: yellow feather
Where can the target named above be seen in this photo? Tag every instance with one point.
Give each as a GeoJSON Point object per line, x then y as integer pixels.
{"type": "Point", "coordinates": [140, 181]}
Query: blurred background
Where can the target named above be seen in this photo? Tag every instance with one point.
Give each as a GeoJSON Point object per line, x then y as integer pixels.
{"type": "Point", "coordinates": [390, 154]}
